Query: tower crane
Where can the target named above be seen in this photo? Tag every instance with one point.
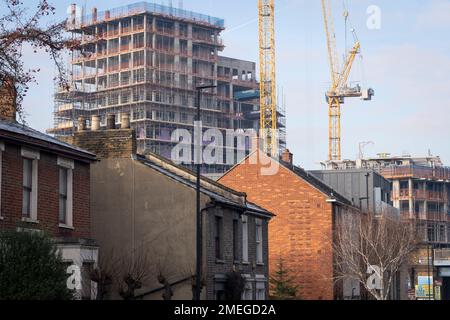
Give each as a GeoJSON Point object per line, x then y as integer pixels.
{"type": "Point", "coordinates": [268, 95]}
{"type": "Point", "coordinates": [339, 89]}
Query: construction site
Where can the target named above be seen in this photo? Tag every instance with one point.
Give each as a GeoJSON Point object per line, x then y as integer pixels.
{"type": "Point", "coordinates": [147, 60]}
{"type": "Point", "coordinates": [157, 63]}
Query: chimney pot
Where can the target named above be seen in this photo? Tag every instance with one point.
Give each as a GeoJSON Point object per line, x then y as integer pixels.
{"type": "Point", "coordinates": [95, 123]}
{"type": "Point", "coordinates": [81, 123]}
{"type": "Point", "coordinates": [111, 122]}
{"type": "Point", "coordinates": [125, 121]}
{"type": "Point", "coordinates": [287, 157]}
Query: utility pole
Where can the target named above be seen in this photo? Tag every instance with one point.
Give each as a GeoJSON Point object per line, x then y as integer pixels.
{"type": "Point", "coordinates": [198, 158]}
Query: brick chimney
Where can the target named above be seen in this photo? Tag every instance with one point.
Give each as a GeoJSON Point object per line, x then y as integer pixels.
{"type": "Point", "coordinates": [8, 99]}
{"type": "Point", "coordinates": [110, 143]}
{"type": "Point", "coordinates": [287, 157]}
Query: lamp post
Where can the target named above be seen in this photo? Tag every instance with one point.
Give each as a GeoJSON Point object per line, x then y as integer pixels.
{"type": "Point", "coordinates": [198, 157]}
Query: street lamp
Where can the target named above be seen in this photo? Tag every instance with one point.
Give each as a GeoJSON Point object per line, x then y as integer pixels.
{"type": "Point", "coordinates": [199, 89]}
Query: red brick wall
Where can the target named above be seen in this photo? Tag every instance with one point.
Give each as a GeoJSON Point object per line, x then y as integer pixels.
{"type": "Point", "coordinates": [48, 186]}
{"type": "Point", "coordinates": [300, 233]}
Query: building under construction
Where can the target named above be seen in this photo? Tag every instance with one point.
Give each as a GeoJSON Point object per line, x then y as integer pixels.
{"type": "Point", "coordinates": [146, 60]}
{"type": "Point", "coordinates": [421, 191]}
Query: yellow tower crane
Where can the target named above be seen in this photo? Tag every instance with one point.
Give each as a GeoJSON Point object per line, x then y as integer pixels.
{"type": "Point", "coordinates": [339, 89]}
{"type": "Point", "coordinates": [268, 95]}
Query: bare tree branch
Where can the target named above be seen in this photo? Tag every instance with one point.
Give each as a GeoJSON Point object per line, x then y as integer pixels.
{"type": "Point", "coordinates": [362, 241]}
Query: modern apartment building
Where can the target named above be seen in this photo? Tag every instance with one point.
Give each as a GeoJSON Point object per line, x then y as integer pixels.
{"type": "Point", "coordinates": [147, 60]}
{"type": "Point", "coordinates": [421, 191]}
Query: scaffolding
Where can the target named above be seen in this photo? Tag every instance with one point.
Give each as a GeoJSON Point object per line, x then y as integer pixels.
{"type": "Point", "coordinates": [146, 60]}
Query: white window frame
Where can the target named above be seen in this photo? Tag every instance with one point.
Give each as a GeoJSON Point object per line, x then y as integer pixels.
{"type": "Point", "coordinates": [2, 148]}
{"type": "Point", "coordinates": [70, 166]}
{"type": "Point", "coordinates": [34, 156]}
{"type": "Point", "coordinates": [259, 243]}
{"type": "Point", "coordinates": [245, 239]}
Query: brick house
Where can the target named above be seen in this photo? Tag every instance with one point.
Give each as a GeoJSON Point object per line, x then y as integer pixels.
{"type": "Point", "coordinates": [144, 206]}
{"type": "Point", "coordinates": [45, 186]}
{"type": "Point", "coordinates": [302, 230]}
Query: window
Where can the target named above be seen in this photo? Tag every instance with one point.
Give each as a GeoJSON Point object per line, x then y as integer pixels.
{"type": "Point", "coordinates": [66, 168]}
{"type": "Point", "coordinates": [29, 184]}
{"type": "Point", "coordinates": [63, 194]}
{"type": "Point", "coordinates": [244, 239]}
{"type": "Point", "coordinates": [431, 233]}
{"type": "Point", "coordinates": [259, 241]}
{"type": "Point", "coordinates": [27, 187]}
{"type": "Point", "coordinates": [442, 233]}
{"type": "Point", "coordinates": [218, 237]}
{"type": "Point", "coordinates": [235, 240]}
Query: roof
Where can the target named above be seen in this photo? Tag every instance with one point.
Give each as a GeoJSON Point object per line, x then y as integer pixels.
{"type": "Point", "coordinates": [213, 189]}
{"type": "Point", "coordinates": [311, 179]}
{"type": "Point", "coordinates": [153, 8]}
{"type": "Point", "coordinates": [317, 183]}
{"type": "Point", "coordinates": [21, 133]}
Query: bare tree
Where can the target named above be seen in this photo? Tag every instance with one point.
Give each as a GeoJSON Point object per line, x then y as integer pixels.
{"type": "Point", "coordinates": [133, 273]}
{"type": "Point", "coordinates": [104, 274]}
{"type": "Point", "coordinates": [21, 26]}
{"type": "Point", "coordinates": [372, 250]}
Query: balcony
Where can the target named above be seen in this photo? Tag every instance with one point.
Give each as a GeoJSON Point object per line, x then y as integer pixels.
{"type": "Point", "coordinates": [420, 172]}
{"type": "Point", "coordinates": [422, 195]}
{"type": "Point", "coordinates": [442, 257]}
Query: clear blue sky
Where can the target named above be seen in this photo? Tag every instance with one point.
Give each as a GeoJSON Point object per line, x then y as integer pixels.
{"type": "Point", "coordinates": [407, 62]}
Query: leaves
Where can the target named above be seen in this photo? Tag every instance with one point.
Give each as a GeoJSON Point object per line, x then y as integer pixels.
{"type": "Point", "coordinates": [30, 269]}
{"type": "Point", "coordinates": [19, 27]}
{"type": "Point", "coordinates": [282, 287]}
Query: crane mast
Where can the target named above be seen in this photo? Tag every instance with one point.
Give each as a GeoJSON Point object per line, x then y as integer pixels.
{"type": "Point", "coordinates": [339, 89]}
{"type": "Point", "coordinates": [268, 95]}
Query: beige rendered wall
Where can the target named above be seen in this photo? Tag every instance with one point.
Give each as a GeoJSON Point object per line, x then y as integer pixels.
{"type": "Point", "coordinates": [137, 210]}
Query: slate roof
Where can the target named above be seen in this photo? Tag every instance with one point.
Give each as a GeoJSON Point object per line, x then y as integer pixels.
{"type": "Point", "coordinates": [21, 133]}
{"type": "Point", "coordinates": [317, 183]}
{"type": "Point", "coordinates": [248, 206]}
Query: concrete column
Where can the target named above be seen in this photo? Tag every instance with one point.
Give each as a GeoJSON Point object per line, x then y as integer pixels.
{"type": "Point", "coordinates": [446, 198]}
{"type": "Point", "coordinates": [396, 193]}
{"type": "Point", "coordinates": [425, 203]}
{"type": "Point", "coordinates": [411, 198]}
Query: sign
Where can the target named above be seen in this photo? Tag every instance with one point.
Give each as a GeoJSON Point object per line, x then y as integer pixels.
{"type": "Point", "coordinates": [424, 288]}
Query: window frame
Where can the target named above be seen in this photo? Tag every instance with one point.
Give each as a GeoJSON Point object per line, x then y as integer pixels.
{"type": "Point", "coordinates": [34, 157]}
{"type": "Point", "coordinates": [236, 256]}
{"type": "Point", "coordinates": [69, 166]}
{"type": "Point", "coordinates": [245, 258]}
{"type": "Point", "coordinates": [218, 237]}
{"type": "Point", "coordinates": [259, 241]}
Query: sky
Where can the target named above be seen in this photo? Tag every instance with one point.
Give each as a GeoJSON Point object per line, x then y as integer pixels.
{"type": "Point", "coordinates": [406, 61]}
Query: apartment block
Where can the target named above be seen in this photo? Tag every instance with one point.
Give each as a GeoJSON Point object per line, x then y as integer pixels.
{"type": "Point", "coordinates": [147, 60]}
{"type": "Point", "coordinates": [421, 191]}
